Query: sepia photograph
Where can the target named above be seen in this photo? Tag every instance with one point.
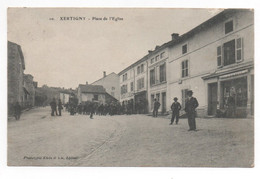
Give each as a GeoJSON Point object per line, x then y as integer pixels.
{"type": "Point", "coordinates": [130, 87]}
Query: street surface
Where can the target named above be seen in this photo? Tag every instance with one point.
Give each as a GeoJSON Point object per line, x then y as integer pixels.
{"type": "Point", "coordinates": [39, 139]}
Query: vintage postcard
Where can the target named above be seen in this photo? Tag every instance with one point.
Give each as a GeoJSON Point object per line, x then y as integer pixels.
{"type": "Point", "coordinates": [130, 87]}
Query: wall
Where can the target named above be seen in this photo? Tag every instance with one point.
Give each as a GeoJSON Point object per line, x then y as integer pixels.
{"type": "Point", "coordinates": [108, 82]}
{"type": "Point", "coordinates": [202, 55]}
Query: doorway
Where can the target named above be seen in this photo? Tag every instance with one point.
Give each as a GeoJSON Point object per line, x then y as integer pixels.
{"type": "Point", "coordinates": [212, 98]}
{"type": "Point", "coordinates": [163, 102]}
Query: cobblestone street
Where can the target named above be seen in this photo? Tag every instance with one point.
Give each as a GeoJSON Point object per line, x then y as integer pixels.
{"type": "Point", "coordinates": [38, 139]}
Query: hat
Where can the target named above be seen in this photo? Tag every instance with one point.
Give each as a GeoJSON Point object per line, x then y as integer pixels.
{"type": "Point", "coordinates": [175, 98]}
{"type": "Point", "coordinates": [189, 92]}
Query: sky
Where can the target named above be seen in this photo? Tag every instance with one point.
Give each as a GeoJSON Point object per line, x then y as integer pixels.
{"type": "Point", "coordinates": [66, 53]}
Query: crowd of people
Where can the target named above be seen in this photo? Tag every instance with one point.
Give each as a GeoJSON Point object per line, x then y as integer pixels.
{"type": "Point", "coordinates": [93, 107]}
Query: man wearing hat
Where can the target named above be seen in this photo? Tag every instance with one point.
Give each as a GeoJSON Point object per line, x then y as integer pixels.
{"type": "Point", "coordinates": [176, 107]}
{"type": "Point", "coordinates": [190, 106]}
{"type": "Point", "coordinates": [156, 106]}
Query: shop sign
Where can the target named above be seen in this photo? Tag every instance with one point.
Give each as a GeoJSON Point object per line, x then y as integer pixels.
{"type": "Point", "coordinates": [233, 74]}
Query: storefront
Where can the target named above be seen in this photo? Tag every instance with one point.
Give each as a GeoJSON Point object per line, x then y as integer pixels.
{"type": "Point", "coordinates": [231, 93]}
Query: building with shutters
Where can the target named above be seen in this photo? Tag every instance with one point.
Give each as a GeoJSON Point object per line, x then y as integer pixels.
{"type": "Point", "coordinates": [216, 61]}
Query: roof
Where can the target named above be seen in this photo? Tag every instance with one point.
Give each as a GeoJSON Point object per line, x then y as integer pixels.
{"type": "Point", "coordinates": [208, 23]}
{"type": "Point", "coordinates": [92, 89]}
{"type": "Point", "coordinates": [20, 52]}
{"type": "Point", "coordinates": [134, 64]}
{"type": "Point", "coordinates": [113, 73]}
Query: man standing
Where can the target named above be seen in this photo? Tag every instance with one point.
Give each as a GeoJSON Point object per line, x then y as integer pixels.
{"type": "Point", "coordinates": [190, 106]}
{"type": "Point", "coordinates": [60, 107]}
{"type": "Point", "coordinates": [17, 111]}
{"type": "Point", "coordinates": [176, 107]}
{"type": "Point", "coordinates": [156, 106]}
{"type": "Point", "coordinates": [53, 107]}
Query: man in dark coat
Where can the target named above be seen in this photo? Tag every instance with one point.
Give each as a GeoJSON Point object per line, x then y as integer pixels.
{"type": "Point", "coordinates": [17, 111]}
{"type": "Point", "coordinates": [53, 107]}
{"type": "Point", "coordinates": [59, 107]}
{"type": "Point", "coordinates": [175, 107]}
{"type": "Point", "coordinates": [190, 106]}
{"type": "Point", "coordinates": [156, 106]}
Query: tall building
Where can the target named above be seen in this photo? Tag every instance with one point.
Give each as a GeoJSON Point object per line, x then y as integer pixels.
{"type": "Point", "coordinates": [16, 67]}
{"type": "Point", "coordinates": [215, 60]}
{"type": "Point", "coordinates": [133, 85]}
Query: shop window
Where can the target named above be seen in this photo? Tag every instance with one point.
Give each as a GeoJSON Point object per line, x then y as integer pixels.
{"type": "Point", "coordinates": [228, 27]}
{"type": "Point", "coordinates": [162, 73]}
{"type": "Point", "coordinates": [184, 68]}
{"type": "Point", "coordinates": [237, 90]}
{"type": "Point", "coordinates": [152, 77]}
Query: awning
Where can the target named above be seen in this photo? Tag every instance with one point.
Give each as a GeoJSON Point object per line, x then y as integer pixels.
{"type": "Point", "coordinates": [25, 91]}
{"type": "Point", "coordinates": [233, 74]}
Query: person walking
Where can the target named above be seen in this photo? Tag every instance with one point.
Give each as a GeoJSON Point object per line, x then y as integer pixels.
{"type": "Point", "coordinates": [59, 107]}
{"type": "Point", "coordinates": [53, 107]}
{"type": "Point", "coordinates": [190, 108]}
{"type": "Point", "coordinates": [175, 107]}
{"type": "Point", "coordinates": [17, 111]}
{"type": "Point", "coordinates": [156, 106]}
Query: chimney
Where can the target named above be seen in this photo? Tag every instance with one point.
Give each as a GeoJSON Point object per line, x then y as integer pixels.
{"type": "Point", "coordinates": [104, 74]}
{"type": "Point", "coordinates": [86, 83]}
{"type": "Point", "coordinates": [175, 36]}
{"type": "Point", "coordinates": [156, 47]}
{"type": "Point", "coordinates": [150, 51]}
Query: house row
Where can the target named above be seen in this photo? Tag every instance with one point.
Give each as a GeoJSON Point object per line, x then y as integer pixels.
{"type": "Point", "coordinates": [214, 60]}
{"type": "Point", "coordinates": [21, 87]}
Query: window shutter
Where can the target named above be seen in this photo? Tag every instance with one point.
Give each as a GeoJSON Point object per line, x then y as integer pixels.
{"type": "Point", "coordinates": [219, 56]}
{"type": "Point", "coordinates": [239, 49]}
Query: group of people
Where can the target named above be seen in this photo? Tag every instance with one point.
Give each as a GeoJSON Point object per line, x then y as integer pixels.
{"type": "Point", "coordinates": [191, 104]}
{"type": "Point", "coordinates": [54, 107]}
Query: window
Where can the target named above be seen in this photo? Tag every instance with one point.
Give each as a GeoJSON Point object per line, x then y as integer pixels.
{"type": "Point", "coordinates": [162, 72]}
{"type": "Point", "coordinates": [125, 77]}
{"type": "Point", "coordinates": [142, 68]}
{"type": "Point", "coordinates": [184, 49]}
{"type": "Point", "coordinates": [184, 67]}
{"type": "Point", "coordinates": [219, 55]}
{"type": "Point", "coordinates": [138, 70]}
{"type": "Point", "coordinates": [228, 27]}
{"type": "Point", "coordinates": [123, 89]}
{"type": "Point", "coordinates": [132, 86]}
{"type": "Point", "coordinates": [162, 55]}
{"type": "Point", "coordinates": [95, 97]}
{"type": "Point", "coordinates": [157, 58]}
{"type": "Point", "coordinates": [239, 49]}
{"type": "Point", "coordinates": [140, 83]}
{"type": "Point", "coordinates": [152, 60]}
{"type": "Point", "coordinates": [184, 97]}
{"type": "Point", "coordinates": [152, 77]}
{"type": "Point", "coordinates": [229, 52]}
